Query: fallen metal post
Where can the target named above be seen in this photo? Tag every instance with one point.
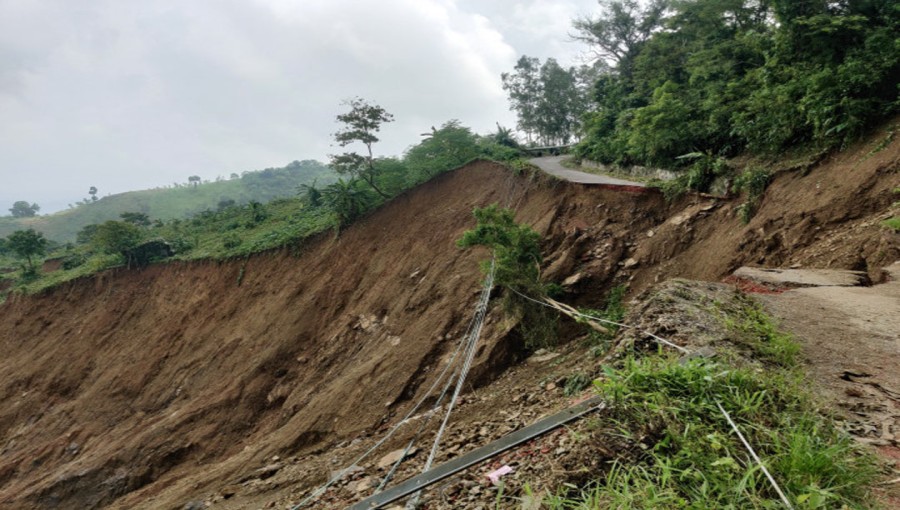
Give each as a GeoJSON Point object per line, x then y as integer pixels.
{"type": "Point", "coordinates": [458, 464]}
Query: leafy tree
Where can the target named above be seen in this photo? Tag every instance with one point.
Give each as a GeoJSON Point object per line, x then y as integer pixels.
{"type": "Point", "coordinates": [92, 191]}
{"type": "Point", "coordinates": [194, 180]}
{"type": "Point", "coordinates": [361, 124]}
{"type": "Point", "coordinates": [523, 86]}
{"type": "Point", "coordinates": [136, 218]}
{"type": "Point", "coordinates": [86, 234]}
{"type": "Point", "coordinates": [721, 76]}
{"type": "Point", "coordinates": [27, 244]}
{"type": "Point", "coordinates": [618, 33]}
{"type": "Point", "coordinates": [114, 237]}
{"type": "Point", "coordinates": [504, 136]}
{"type": "Point", "coordinates": [548, 99]}
{"type": "Point", "coordinates": [23, 209]}
{"type": "Point", "coordinates": [446, 148]}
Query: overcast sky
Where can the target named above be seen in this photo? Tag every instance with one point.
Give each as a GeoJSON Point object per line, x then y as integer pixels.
{"type": "Point", "coordinates": [132, 94]}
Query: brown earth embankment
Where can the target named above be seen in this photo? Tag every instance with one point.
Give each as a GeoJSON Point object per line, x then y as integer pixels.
{"type": "Point", "coordinates": [143, 388]}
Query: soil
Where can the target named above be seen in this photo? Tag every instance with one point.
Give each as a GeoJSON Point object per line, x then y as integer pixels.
{"type": "Point", "coordinates": [244, 383]}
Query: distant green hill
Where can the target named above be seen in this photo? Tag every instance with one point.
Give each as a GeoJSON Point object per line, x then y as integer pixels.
{"type": "Point", "coordinates": [179, 202]}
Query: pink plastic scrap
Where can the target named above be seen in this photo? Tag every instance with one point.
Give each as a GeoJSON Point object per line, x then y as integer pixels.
{"type": "Point", "coordinates": [497, 473]}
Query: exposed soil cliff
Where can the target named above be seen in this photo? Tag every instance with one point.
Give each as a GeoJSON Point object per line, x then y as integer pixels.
{"type": "Point", "coordinates": [146, 388]}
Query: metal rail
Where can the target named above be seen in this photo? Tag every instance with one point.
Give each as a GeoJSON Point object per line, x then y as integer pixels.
{"type": "Point", "coordinates": [458, 464]}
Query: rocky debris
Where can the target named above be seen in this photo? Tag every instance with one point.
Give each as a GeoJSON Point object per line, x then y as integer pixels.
{"type": "Point", "coordinates": [391, 458]}
{"type": "Point", "coordinates": [794, 278]}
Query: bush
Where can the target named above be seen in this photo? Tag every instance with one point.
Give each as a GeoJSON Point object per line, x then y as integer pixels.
{"type": "Point", "coordinates": [754, 182]}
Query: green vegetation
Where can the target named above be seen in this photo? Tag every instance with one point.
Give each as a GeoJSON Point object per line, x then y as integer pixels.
{"type": "Point", "coordinates": [548, 99]}
{"type": "Point", "coordinates": [23, 209]}
{"type": "Point", "coordinates": [683, 84]}
{"type": "Point", "coordinates": [893, 222]}
{"type": "Point", "coordinates": [754, 181]}
{"type": "Point", "coordinates": [690, 458]}
{"type": "Point", "coordinates": [27, 245]}
{"type": "Point", "coordinates": [724, 77]}
{"type": "Point", "coordinates": [517, 261]}
{"type": "Point", "coordinates": [233, 225]}
{"type": "Point", "coordinates": [360, 125]}
{"type": "Point", "coordinates": [179, 201]}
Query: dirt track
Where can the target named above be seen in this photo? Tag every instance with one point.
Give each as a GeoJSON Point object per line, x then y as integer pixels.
{"type": "Point", "coordinates": [148, 389]}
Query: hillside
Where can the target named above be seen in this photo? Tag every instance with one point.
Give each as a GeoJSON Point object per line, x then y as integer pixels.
{"type": "Point", "coordinates": [180, 201]}
{"type": "Point", "coordinates": [160, 387]}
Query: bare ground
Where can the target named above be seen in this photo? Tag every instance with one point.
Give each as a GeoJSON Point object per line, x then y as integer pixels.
{"type": "Point", "coordinates": [177, 383]}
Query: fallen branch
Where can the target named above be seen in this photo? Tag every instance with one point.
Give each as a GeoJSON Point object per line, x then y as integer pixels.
{"type": "Point", "coordinates": [575, 314]}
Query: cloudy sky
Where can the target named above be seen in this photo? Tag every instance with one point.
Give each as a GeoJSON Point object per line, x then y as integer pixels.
{"type": "Point", "coordinates": [131, 94]}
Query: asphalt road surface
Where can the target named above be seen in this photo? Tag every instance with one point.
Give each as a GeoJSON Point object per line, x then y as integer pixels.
{"type": "Point", "coordinates": [551, 165]}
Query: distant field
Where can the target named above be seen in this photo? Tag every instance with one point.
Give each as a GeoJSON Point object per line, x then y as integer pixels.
{"type": "Point", "coordinates": [176, 202]}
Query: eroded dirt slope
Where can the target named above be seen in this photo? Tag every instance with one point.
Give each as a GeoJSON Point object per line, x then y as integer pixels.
{"type": "Point", "coordinates": [147, 389]}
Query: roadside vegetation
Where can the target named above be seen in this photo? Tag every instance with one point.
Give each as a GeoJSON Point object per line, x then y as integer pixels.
{"type": "Point", "coordinates": [318, 200]}
{"type": "Point", "coordinates": [687, 455]}
{"type": "Point", "coordinates": [688, 85]}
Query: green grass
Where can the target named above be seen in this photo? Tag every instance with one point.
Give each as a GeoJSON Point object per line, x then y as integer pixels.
{"type": "Point", "coordinates": [695, 461]}
{"type": "Point", "coordinates": [892, 223]}
{"type": "Point", "coordinates": [690, 457]}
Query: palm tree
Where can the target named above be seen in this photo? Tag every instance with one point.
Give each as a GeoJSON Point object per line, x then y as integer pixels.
{"type": "Point", "coordinates": [346, 199]}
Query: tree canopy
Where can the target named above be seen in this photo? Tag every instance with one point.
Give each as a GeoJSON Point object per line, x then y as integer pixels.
{"type": "Point", "coordinates": [114, 237]}
{"type": "Point", "coordinates": [721, 77]}
{"type": "Point", "coordinates": [22, 209]}
{"type": "Point", "coordinates": [27, 244]}
{"type": "Point", "coordinates": [361, 124]}
{"type": "Point", "coordinates": [548, 98]}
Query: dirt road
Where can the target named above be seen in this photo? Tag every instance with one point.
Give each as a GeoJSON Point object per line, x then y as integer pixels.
{"type": "Point", "coordinates": [850, 337]}
{"type": "Point", "coordinates": [552, 165]}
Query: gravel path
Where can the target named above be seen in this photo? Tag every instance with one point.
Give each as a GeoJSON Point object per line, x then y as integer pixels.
{"type": "Point", "coordinates": [552, 165]}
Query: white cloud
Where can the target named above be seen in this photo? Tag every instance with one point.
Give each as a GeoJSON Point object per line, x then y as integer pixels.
{"type": "Point", "coordinates": [128, 94]}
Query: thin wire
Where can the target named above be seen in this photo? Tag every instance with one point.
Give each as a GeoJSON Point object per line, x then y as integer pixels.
{"type": "Point", "coordinates": [321, 490]}
{"type": "Point", "coordinates": [470, 355]}
{"type": "Point", "coordinates": [749, 448]}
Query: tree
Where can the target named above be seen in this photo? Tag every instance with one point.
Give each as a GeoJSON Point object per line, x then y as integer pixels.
{"type": "Point", "coordinates": [346, 200]}
{"type": "Point", "coordinates": [114, 237]}
{"type": "Point", "coordinates": [27, 244]}
{"type": "Point", "coordinates": [548, 99]}
{"type": "Point", "coordinates": [312, 193]}
{"type": "Point", "coordinates": [194, 179]}
{"type": "Point", "coordinates": [23, 209]}
{"type": "Point", "coordinates": [517, 259]}
{"type": "Point", "coordinates": [92, 191]}
{"type": "Point", "coordinates": [620, 30]}
{"type": "Point", "coordinates": [361, 124]}
{"type": "Point", "coordinates": [446, 148]}
{"type": "Point", "coordinates": [136, 218]}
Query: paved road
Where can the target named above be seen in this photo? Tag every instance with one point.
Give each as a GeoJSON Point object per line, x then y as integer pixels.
{"type": "Point", "coordinates": [551, 165]}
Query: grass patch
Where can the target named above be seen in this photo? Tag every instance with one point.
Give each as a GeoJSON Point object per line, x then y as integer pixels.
{"type": "Point", "coordinates": [683, 452]}
{"type": "Point", "coordinates": [754, 329]}
{"type": "Point", "coordinates": [892, 223]}
{"type": "Point", "coordinates": [693, 460]}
